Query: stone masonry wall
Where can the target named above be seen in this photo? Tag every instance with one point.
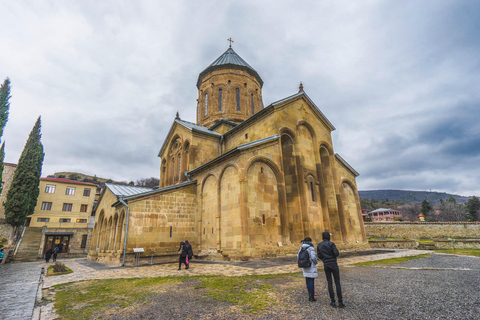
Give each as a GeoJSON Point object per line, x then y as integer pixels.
{"type": "Point", "coordinates": [431, 230]}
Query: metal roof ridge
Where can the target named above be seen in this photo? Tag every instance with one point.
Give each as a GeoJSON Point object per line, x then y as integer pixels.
{"type": "Point", "coordinates": [345, 163]}
{"type": "Point", "coordinates": [185, 183]}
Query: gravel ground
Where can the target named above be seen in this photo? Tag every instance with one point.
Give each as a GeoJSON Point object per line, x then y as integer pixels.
{"type": "Point", "coordinates": [369, 293]}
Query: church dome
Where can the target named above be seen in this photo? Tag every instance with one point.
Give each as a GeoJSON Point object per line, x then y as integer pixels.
{"type": "Point", "coordinates": [229, 59]}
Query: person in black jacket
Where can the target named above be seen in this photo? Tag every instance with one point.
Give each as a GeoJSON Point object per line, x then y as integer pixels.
{"type": "Point", "coordinates": [189, 250]}
{"type": "Point", "coordinates": [183, 256]}
{"type": "Point", "coordinates": [328, 253]}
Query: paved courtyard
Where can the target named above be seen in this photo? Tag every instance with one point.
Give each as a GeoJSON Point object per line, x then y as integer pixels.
{"type": "Point", "coordinates": [438, 287]}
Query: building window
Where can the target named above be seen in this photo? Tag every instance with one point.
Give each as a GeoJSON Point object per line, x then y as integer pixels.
{"type": "Point", "coordinates": [46, 206]}
{"type": "Point", "coordinates": [84, 241]}
{"type": "Point", "coordinates": [179, 167]}
{"type": "Point", "coordinates": [237, 92]}
{"type": "Point", "coordinates": [206, 104]}
{"type": "Point", "coordinates": [263, 219]}
{"type": "Point", "coordinates": [81, 220]}
{"type": "Point", "coordinates": [171, 229]}
{"type": "Point", "coordinates": [50, 188]}
{"type": "Point", "coordinates": [83, 208]}
{"type": "Point", "coordinates": [220, 100]}
{"type": "Point", "coordinates": [70, 191]}
{"type": "Point", "coordinates": [253, 105]}
{"type": "Point", "coordinates": [312, 191]}
{"type": "Point", "coordinates": [43, 219]}
{"type": "Point", "coordinates": [67, 207]}
{"type": "Point", "coordinates": [173, 170]}
{"type": "Point", "coordinates": [64, 220]}
{"type": "Point", "coordinates": [86, 192]}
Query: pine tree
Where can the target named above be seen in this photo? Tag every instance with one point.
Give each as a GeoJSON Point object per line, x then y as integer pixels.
{"type": "Point", "coordinates": [23, 193]}
{"type": "Point", "coordinates": [4, 108]}
{"type": "Point", "coordinates": [426, 208]}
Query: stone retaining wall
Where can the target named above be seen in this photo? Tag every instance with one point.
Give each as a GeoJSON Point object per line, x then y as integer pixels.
{"type": "Point", "coordinates": [425, 230]}
{"type": "Point", "coordinates": [4, 229]}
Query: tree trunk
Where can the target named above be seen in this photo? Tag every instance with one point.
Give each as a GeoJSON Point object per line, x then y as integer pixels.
{"type": "Point", "coordinates": [12, 239]}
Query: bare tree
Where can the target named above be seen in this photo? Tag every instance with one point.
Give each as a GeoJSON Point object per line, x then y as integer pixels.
{"type": "Point", "coordinates": [148, 182]}
{"type": "Point", "coordinates": [450, 211]}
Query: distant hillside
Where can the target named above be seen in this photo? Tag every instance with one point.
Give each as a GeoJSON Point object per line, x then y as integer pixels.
{"type": "Point", "coordinates": [408, 196]}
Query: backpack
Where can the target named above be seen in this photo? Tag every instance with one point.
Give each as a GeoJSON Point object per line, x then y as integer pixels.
{"type": "Point", "coordinates": [304, 259]}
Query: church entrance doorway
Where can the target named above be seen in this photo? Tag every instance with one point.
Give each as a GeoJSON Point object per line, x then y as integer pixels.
{"type": "Point", "coordinates": [60, 239]}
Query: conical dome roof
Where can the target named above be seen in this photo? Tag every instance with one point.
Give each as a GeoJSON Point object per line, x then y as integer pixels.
{"type": "Point", "coordinates": [229, 59]}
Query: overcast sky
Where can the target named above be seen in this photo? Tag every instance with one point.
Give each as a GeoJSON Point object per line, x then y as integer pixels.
{"type": "Point", "coordinates": [400, 80]}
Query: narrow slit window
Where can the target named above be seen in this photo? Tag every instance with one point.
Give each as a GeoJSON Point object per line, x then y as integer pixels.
{"type": "Point", "coordinates": [253, 105]}
{"type": "Point", "coordinates": [220, 100]}
{"type": "Point", "coordinates": [237, 91]}
{"type": "Point", "coordinates": [212, 230]}
{"type": "Point", "coordinates": [206, 103]}
{"type": "Point", "coordinates": [312, 191]}
{"type": "Point", "coordinates": [263, 219]}
{"type": "Point", "coordinates": [173, 170]}
{"type": "Point", "coordinates": [179, 167]}
{"type": "Point", "coordinates": [171, 231]}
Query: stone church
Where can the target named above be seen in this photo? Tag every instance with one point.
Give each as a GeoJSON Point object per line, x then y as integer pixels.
{"type": "Point", "coordinates": [245, 181]}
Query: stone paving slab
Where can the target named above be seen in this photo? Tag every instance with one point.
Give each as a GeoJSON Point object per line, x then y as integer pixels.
{"type": "Point", "coordinates": [18, 289]}
{"type": "Point", "coordinates": [82, 270]}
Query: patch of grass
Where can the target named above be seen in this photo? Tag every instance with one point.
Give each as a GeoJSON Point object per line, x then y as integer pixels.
{"type": "Point", "coordinates": [249, 292]}
{"type": "Point", "coordinates": [88, 299]}
{"type": "Point", "coordinates": [51, 272]}
{"type": "Point", "coordinates": [391, 261]}
{"type": "Point", "coordinates": [466, 252]}
{"type": "Point", "coordinates": [425, 241]}
{"type": "Point", "coordinates": [98, 299]}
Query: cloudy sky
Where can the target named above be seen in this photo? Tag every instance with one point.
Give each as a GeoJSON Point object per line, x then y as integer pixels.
{"type": "Point", "coordinates": [400, 80]}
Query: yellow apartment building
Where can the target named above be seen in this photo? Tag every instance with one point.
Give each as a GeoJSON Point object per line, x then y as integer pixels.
{"type": "Point", "coordinates": [61, 217]}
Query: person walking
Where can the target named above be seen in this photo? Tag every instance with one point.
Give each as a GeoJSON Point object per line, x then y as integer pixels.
{"type": "Point", "coordinates": [309, 273]}
{"type": "Point", "coordinates": [48, 255]}
{"type": "Point", "coordinates": [188, 248]}
{"type": "Point", "coordinates": [183, 256]}
{"type": "Point", "coordinates": [328, 253]}
{"type": "Point", "coordinates": [55, 252]}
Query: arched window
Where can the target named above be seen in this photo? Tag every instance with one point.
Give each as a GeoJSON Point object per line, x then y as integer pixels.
{"type": "Point", "coordinates": [220, 100]}
{"type": "Point", "coordinates": [179, 167]}
{"type": "Point", "coordinates": [312, 191]}
{"type": "Point", "coordinates": [253, 105]}
{"type": "Point", "coordinates": [206, 103]}
{"type": "Point", "coordinates": [173, 170]}
{"type": "Point", "coordinates": [237, 91]}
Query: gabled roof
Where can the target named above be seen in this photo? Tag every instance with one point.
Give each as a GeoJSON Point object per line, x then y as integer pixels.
{"type": "Point", "coordinates": [346, 165]}
{"type": "Point", "coordinates": [190, 126]}
{"type": "Point", "coordinates": [229, 59]}
{"type": "Point", "coordinates": [153, 191]}
{"type": "Point", "coordinates": [68, 181]}
{"type": "Point", "coordinates": [221, 122]}
{"type": "Point", "coordinates": [382, 209]}
{"type": "Point", "coordinates": [125, 191]}
{"type": "Point", "coordinates": [272, 105]}
{"type": "Point", "coordinates": [238, 148]}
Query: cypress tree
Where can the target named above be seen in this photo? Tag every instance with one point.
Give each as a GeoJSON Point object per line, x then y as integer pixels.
{"type": "Point", "coordinates": [4, 108]}
{"type": "Point", "coordinates": [23, 193]}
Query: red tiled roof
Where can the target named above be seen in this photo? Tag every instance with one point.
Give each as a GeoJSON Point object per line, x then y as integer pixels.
{"type": "Point", "coordinates": [68, 181]}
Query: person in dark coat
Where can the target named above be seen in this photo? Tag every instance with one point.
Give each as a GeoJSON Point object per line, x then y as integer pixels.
{"type": "Point", "coordinates": [183, 256]}
{"type": "Point", "coordinates": [310, 273]}
{"type": "Point", "coordinates": [189, 250]}
{"type": "Point", "coordinates": [328, 253]}
{"type": "Point", "coordinates": [56, 250]}
{"type": "Point", "coordinates": [48, 255]}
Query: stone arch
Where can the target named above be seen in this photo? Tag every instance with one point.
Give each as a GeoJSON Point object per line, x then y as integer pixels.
{"type": "Point", "coordinates": [109, 244]}
{"type": "Point", "coordinates": [287, 131]}
{"type": "Point", "coordinates": [266, 161]}
{"type": "Point", "coordinates": [163, 170]}
{"type": "Point", "coordinates": [327, 192]}
{"type": "Point", "coordinates": [173, 156]}
{"type": "Point", "coordinates": [352, 215]}
{"type": "Point", "coordinates": [209, 219]}
{"type": "Point", "coordinates": [308, 126]}
{"type": "Point", "coordinates": [216, 90]}
{"type": "Point", "coordinates": [121, 233]}
{"type": "Point", "coordinates": [99, 230]}
{"type": "Point", "coordinates": [230, 233]}
{"type": "Point", "coordinates": [263, 209]}
{"type": "Point", "coordinates": [292, 224]}
{"type": "Point", "coordinates": [306, 146]}
{"type": "Point", "coordinates": [104, 235]}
